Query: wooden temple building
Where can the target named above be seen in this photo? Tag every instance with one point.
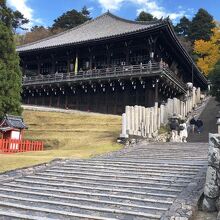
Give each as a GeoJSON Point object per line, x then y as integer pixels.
{"type": "Point", "coordinates": [107, 63]}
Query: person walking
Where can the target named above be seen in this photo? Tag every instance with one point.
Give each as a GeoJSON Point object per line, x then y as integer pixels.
{"type": "Point", "coordinates": [174, 127]}
{"type": "Point", "coordinates": [199, 125]}
{"type": "Point", "coordinates": [192, 124]}
{"type": "Point", "coordinates": [183, 131]}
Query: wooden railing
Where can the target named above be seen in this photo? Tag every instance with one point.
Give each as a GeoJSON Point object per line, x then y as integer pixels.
{"type": "Point", "coordinates": [15, 146]}
{"type": "Point", "coordinates": [113, 72]}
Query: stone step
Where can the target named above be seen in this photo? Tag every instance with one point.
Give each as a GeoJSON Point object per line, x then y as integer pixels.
{"type": "Point", "coordinates": [168, 157]}
{"type": "Point", "coordinates": [103, 180]}
{"type": "Point", "coordinates": [113, 173]}
{"type": "Point", "coordinates": [109, 176]}
{"type": "Point", "coordinates": [133, 184]}
{"type": "Point", "coordinates": [94, 183]}
{"type": "Point", "coordinates": [65, 207]}
{"type": "Point", "coordinates": [84, 201]}
{"type": "Point", "coordinates": [160, 161]}
{"type": "Point", "coordinates": [41, 213]}
{"type": "Point", "coordinates": [141, 164]}
{"type": "Point", "coordinates": [14, 215]}
{"type": "Point", "coordinates": [98, 169]}
{"type": "Point", "coordinates": [78, 193]}
{"type": "Point", "coordinates": [99, 189]}
{"type": "Point", "coordinates": [112, 166]}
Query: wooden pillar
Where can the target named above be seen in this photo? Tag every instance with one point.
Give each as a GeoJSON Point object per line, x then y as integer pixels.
{"type": "Point", "coordinates": [52, 64]}
{"type": "Point", "coordinates": [156, 90]}
{"type": "Point", "coordinates": [38, 65]}
{"type": "Point", "coordinates": [136, 95]}
{"type": "Point", "coordinates": [66, 98]}
{"type": "Point", "coordinates": [127, 56]}
{"type": "Point", "coordinates": [76, 64]}
{"type": "Point", "coordinates": [126, 53]}
{"type": "Point", "coordinates": [50, 99]}
{"type": "Point", "coordinates": [108, 55]}
{"type": "Point", "coordinates": [146, 101]}
{"type": "Point", "coordinates": [68, 65]}
{"type": "Point", "coordinates": [58, 100]}
{"type": "Point", "coordinates": [68, 61]}
{"type": "Point", "coordinates": [90, 61]}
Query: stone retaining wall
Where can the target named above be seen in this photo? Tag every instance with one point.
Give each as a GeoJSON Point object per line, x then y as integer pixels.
{"type": "Point", "coordinates": [145, 122]}
{"type": "Point", "coordinates": [211, 201]}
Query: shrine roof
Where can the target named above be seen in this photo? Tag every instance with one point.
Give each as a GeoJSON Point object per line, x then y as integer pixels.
{"type": "Point", "coordinates": [102, 27]}
{"type": "Point", "coordinates": [10, 121]}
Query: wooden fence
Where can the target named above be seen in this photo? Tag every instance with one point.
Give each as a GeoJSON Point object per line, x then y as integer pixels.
{"type": "Point", "coordinates": [15, 146]}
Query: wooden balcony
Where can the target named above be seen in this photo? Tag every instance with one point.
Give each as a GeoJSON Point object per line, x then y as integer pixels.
{"type": "Point", "coordinates": [122, 72]}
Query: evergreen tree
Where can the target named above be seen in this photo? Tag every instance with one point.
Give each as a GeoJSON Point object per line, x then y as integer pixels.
{"type": "Point", "coordinates": [215, 80]}
{"type": "Point", "coordinates": [19, 20]}
{"type": "Point", "coordinates": [85, 12]}
{"type": "Point", "coordinates": [71, 19]}
{"type": "Point", "coordinates": [182, 28]}
{"type": "Point", "coordinates": [144, 16]}
{"type": "Point", "coordinates": [10, 73]}
{"type": "Point", "coordinates": [201, 26]}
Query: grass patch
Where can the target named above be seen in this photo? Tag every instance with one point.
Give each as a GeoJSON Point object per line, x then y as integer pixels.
{"type": "Point", "coordinates": [65, 136]}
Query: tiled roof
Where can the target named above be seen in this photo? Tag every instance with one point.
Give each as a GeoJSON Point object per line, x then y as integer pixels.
{"type": "Point", "coordinates": [104, 26]}
{"type": "Point", "coordinates": [11, 121]}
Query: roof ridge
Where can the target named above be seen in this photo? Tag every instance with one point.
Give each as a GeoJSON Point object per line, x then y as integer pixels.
{"type": "Point", "coordinates": [133, 22]}
{"type": "Point", "coordinates": [91, 21]}
{"type": "Point", "coordinates": [64, 32]}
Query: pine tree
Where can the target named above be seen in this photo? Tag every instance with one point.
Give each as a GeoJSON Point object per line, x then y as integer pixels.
{"type": "Point", "coordinates": [10, 73]}
{"type": "Point", "coordinates": [201, 26]}
{"type": "Point", "coordinates": [71, 19]}
{"type": "Point", "coordinates": [182, 28]}
{"type": "Point", "coordinates": [144, 16]}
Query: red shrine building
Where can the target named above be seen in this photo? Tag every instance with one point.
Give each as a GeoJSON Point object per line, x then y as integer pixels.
{"type": "Point", "coordinates": [12, 141]}
{"type": "Point", "coordinates": [12, 127]}
{"type": "Point", "coordinates": [108, 63]}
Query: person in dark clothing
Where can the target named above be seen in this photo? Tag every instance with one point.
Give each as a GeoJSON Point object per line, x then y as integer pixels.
{"type": "Point", "coordinates": [174, 127]}
{"type": "Point", "coordinates": [192, 124]}
{"type": "Point", "coordinates": [199, 125]}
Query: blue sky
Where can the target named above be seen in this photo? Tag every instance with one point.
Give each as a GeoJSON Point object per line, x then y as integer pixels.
{"type": "Point", "coordinates": [43, 12]}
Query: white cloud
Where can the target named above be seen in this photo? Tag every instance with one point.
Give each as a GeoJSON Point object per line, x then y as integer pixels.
{"type": "Point", "coordinates": [150, 6]}
{"type": "Point", "coordinates": [28, 12]}
{"type": "Point", "coordinates": [111, 5]}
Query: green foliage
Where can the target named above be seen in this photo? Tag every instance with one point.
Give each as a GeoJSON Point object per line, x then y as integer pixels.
{"type": "Point", "coordinates": [10, 74]}
{"type": "Point", "coordinates": [215, 80]}
{"type": "Point", "coordinates": [182, 28]}
{"type": "Point", "coordinates": [19, 20]}
{"type": "Point", "coordinates": [144, 16]}
{"type": "Point", "coordinates": [71, 19]}
{"type": "Point", "coordinates": [12, 18]}
{"type": "Point", "coordinates": [201, 26]}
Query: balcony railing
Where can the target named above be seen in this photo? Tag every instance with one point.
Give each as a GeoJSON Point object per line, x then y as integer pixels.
{"type": "Point", "coordinates": [114, 72]}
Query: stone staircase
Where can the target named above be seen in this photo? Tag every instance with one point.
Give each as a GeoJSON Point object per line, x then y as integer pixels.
{"type": "Point", "coordinates": [135, 183]}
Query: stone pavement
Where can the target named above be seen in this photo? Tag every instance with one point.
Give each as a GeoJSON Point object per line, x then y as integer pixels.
{"type": "Point", "coordinates": [149, 181]}
{"type": "Point", "coordinates": [208, 116]}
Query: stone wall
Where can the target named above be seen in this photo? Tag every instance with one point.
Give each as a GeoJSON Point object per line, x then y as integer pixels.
{"type": "Point", "coordinates": [145, 122]}
{"type": "Point", "coordinates": [211, 201]}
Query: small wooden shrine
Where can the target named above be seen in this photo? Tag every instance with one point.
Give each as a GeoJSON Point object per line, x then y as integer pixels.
{"type": "Point", "coordinates": [12, 127]}
{"type": "Point", "coordinates": [12, 130]}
